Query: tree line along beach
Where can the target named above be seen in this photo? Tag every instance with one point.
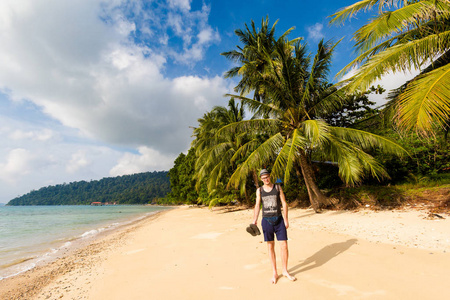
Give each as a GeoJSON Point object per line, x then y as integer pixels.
{"type": "Point", "coordinates": [368, 188]}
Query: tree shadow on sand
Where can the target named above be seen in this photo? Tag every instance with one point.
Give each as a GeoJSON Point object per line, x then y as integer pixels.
{"type": "Point", "coordinates": [322, 256]}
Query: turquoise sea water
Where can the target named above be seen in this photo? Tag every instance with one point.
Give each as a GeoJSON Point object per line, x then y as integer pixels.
{"type": "Point", "coordinates": [30, 234]}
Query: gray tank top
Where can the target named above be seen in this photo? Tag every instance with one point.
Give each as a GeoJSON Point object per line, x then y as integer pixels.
{"type": "Point", "coordinates": [271, 202]}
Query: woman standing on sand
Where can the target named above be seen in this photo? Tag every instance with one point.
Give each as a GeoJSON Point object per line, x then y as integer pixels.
{"type": "Point", "coordinates": [274, 221]}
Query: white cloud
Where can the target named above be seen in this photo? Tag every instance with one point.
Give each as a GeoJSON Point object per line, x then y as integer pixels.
{"type": "Point", "coordinates": [17, 163]}
{"type": "Point", "coordinates": [390, 82]}
{"type": "Point", "coordinates": [181, 4]}
{"type": "Point", "coordinates": [194, 45]}
{"type": "Point", "coordinates": [30, 162]}
{"type": "Point", "coordinates": [77, 161]}
{"type": "Point", "coordinates": [87, 74]}
{"type": "Point", "coordinates": [176, 23]}
{"type": "Point", "coordinates": [164, 40]}
{"type": "Point", "coordinates": [39, 135]}
{"type": "Point", "coordinates": [77, 62]}
{"type": "Point", "coordinates": [147, 159]}
{"type": "Point", "coordinates": [315, 32]}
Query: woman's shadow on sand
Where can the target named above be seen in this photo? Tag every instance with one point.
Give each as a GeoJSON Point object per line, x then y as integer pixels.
{"type": "Point", "coordinates": [322, 256]}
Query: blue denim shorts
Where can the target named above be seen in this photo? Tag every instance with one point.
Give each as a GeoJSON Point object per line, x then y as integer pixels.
{"type": "Point", "coordinates": [273, 227]}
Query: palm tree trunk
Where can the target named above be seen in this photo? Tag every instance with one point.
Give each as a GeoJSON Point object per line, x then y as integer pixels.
{"type": "Point", "coordinates": [316, 197]}
{"type": "Point", "coordinates": [247, 199]}
{"type": "Point", "coordinates": [312, 198]}
{"type": "Point", "coordinates": [255, 179]}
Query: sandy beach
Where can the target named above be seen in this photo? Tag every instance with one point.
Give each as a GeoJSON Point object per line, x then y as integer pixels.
{"type": "Point", "coordinates": [196, 253]}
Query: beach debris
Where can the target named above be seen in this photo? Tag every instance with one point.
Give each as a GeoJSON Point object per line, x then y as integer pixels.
{"type": "Point", "coordinates": [432, 216]}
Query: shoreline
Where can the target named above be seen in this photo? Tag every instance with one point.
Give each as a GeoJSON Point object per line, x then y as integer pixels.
{"type": "Point", "coordinates": [28, 283]}
{"type": "Point", "coordinates": [208, 253]}
{"type": "Point", "coordinates": [46, 251]}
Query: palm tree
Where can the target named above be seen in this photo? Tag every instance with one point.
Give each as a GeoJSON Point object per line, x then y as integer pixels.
{"type": "Point", "coordinates": [413, 35]}
{"type": "Point", "coordinates": [258, 43]}
{"type": "Point", "coordinates": [214, 153]}
{"type": "Point", "coordinates": [297, 97]}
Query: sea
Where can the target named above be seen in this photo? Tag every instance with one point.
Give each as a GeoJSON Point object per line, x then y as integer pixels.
{"type": "Point", "coordinates": [32, 235]}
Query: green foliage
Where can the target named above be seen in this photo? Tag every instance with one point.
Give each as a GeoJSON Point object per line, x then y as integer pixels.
{"type": "Point", "coordinates": [428, 157]}
{"type": "Point", "coordinates": [182, 180]}
{"type": "Point", "coordinates": [355, 108]}
{"type": "Point", "coordinates": [139, 188]}
{"type": "Point", "coordinates": [406, 36]}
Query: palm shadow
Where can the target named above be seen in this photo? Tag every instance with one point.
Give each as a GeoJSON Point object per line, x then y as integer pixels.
{"type": "Point", "coordinates": [306, 215]}
{"type": "Point", "coordinates": [322, 256]}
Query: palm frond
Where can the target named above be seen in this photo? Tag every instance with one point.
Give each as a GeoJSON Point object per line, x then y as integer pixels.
{"type": "Point", "coordinates": [353, 162]}
{"type": "Point", "coordinates": [365, 55]}
{"type": "Point", "coordinates": [279, 166]}
{"type": "Point", "coordinates": [350, 169]}
{"type": "Point", "coordinates": [425, 103]}
{"type": "Point", "coordinates": [400, 57]}
{"type": "Point", "coordinates": [322, 60]}
{"type": "Point", "coordinates": [256, 106]}
{"type": "Point", "coordinates": [219, 169]}
{"type": "Point", "coordinates": [288, 156]}
{"type": "Point", "coordinates": [367, 140]}
{"type": "Point", "coordinates": [245, 149]}
{"type": "Point", "coordinates": [371, 165]}
{"type": "Point", "coordinates": [316, 132]}
{"type": "Point", "coordinates": [351, 10]}
{"type": "Point", "coordinates": [428, 22]}
{"type": "Point", "coordinates": [233, 55]}
{"type": "Point", "coordinates": [261, 155]}
{"type": "Point", "coordinates": [397, 21]}
{"type": "Point", "coordinates": [319, 70]}
{"type": "Point", "coordinates": [207, 160]}
{"type": "Point", "coordinates": [255, 125]}
{"type": "Point", "coordinates": [329, 101]}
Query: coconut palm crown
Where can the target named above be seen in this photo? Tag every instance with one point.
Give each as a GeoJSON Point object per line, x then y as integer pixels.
{"type": "Point", "coordinates": [406, 35]}
{"type": "Point", "coordinates": [214, 153]}
{"type": "Point", "coordinates": [258, 43]}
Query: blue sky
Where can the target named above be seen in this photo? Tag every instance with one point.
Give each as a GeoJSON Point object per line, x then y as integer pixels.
{"type": "Point", "coordinates": [98, 88]}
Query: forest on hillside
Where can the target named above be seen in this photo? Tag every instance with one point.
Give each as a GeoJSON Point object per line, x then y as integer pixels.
{"type": "Point", "coordinates": [142, 188]}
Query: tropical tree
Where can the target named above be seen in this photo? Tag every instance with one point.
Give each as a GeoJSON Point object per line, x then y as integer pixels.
{"type": "Point", "coordinates": [214, 153]}
{"type": "Point", "coordinates": [257, 44]}
{"type": "Point", "coordinates": [297, 97]}
{"type": "Point", "coordinates": [355, 110]}
{"type": "Point", "coordinates": [182, 183]}
{"type": "Point", "coordinates": [406, 35]}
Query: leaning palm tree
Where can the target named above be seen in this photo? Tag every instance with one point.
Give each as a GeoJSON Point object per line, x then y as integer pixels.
{"type": "Point", "coordinates": [406, 35]}
{"type": "Point", "coordinates": [297, 97]}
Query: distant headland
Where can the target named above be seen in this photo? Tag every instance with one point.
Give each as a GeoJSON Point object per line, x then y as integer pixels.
{"type": "Point", "coordinates": [141, 188]}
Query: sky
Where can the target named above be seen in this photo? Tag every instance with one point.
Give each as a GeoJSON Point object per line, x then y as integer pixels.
{"type": "Point", "coordinates": [100, 88]}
